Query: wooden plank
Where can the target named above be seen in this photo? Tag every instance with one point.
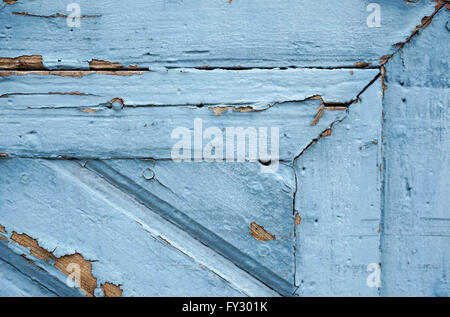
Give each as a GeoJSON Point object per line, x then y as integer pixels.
{"type": "Point", "coordinates": [20, 277]}
{"type": "Point", "coordinates": [147, 132]}
{"type": "Point", "coordinates": [129, 244]}
{"type": "Point", "coordinates": [338, 200]}
{"type": "Point", "coordinates": [139, 129]}
{"type": "Point", "coordinates": [416, 231]}
{"type": "Point", "coordinates": [249, 197]}
{"type": "Point", "coordinates": [258, 88]}
{"type": "Point", "coordinates": [253, 33]}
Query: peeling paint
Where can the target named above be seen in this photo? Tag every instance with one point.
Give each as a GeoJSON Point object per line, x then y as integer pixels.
{"type": "Point", "coordinates": [111, 290]}
{"type": "Point", "coordinates": [117, 100]}
{"type": "Point", "coordinates": [3, 238]}
{"type": "Point", "coordinates": [423, 24]}
{"type": "Point", "coordinates": [98, 64]}
{"type": "Point", "coordinates": [10, 1]}
{"type": "Point", "coordinates": [383, 78]}
{"type": "Point", "coordinates": [362, 64]}
{"type": "Point", "coordinates": [319, 114]}
{"type": "Point", "coordinates": [3, 155]}
{"type": "Point", "coordinates": [441, 3]}
{"type": "Point", "coordinates": [72, 93]}
{"type": "Point", "coordinates": [71, 73]}
{"type": "Point", "coordinates": [218, 111]}
{"type": "Point", "coordinates": [336, 108]}
{"type": "Point", "coordinates": [89, 110]}
{"type": "Point", "coordinates": [326, 133]}
{"type": "Point", "coordinates": [51, 16]}
{"type": "Point", "coordinates": [22, 62]}
{"type": "Point", "coordinates": [35, 249]}
{"type": "Point", "coordinates": [259, 233]}
{"type": "Point", "coordinates": [2, 229]}
{"type": "Point", "coordinates": [384, 59]}
{"type": "Point", "coordinates": [298, 219]}
{"type": "Point", "coordinates": [87, 282]}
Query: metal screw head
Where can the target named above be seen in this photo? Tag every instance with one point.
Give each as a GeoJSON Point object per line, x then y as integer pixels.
{"type": "Point", "coordinates": [148, 174]}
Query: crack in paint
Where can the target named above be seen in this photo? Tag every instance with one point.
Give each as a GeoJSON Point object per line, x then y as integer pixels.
{"type": "Point", "coordinates": [426, 21]}
{"type": "Point", "coordinates": [55, 15]}
{"type": "Point", "coordinates": [73, 93]}
{"type": "Point", "coordinates": [68, 72]}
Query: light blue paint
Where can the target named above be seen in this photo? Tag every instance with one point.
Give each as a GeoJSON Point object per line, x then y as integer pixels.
{"type": "Point", "coordinates": [183, 229]}
{"type": "Point", "coordinates": [127, 248]}
{"type": "Point", "coordinates": [416, 231]}
{"type": "Point", "coordinates": [338, 199]}
{"type": "Point", "coordinates": [258, 88]}
{"type": "Point", "coordinates": [18, 277]}
{"type": "Point", "coordinates": [30, 133]}
{"type": "Point", "coordinates": [202, 32]}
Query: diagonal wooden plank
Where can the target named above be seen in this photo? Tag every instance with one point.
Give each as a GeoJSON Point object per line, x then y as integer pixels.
{"type": "Point", "coordinates": [22, 278]}
{"type": "Point", "coordinates": [206, 236]}
{"type": "Point", "coordinates": [416, 132]}
{"type": "Point", "coordinates": [130, 246]}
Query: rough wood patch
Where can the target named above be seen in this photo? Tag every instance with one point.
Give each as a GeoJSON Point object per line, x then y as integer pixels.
{"type": "Point", "coordinates": [27, 62]}
{"type": "Point", "coordinates": [111, 290]}
{"type": "Point", "coordinates": [67, 264]}
{"type": "Point", "coordinates": [259, 233]}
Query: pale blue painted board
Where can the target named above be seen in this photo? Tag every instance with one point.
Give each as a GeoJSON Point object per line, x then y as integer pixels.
{"type": "Point", "coordinates": [19, 277]}
{"type": "Point", "coordinates": [340, 186]}
{"type": "Point", "coordinates": [147, 132]}
{"type": "Point", "coordinates": [226, 198]}
{"type": "Point", "coordinates": [258, 88]}
{"type": "Point", "coordinates": [416, 235]}
{"type": "Point", "coordinates": [338, 200]}
{"type": "Point", "coordinates": [218, 33]}
{"type": "Point", "coordinates": [107, 226]}
{"type": "Point", "coordinates": [155, 104]}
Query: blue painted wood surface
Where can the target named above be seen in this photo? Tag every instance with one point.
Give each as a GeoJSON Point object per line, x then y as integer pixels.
{"type": "Point", "coordinates": [252, 33]}
{"type": "Point", "coordinates": [85, 161]}
{"type": "Point", "coordinates": [415, 244]}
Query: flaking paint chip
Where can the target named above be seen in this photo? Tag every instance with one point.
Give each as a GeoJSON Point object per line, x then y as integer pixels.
{"type": "Point", "coordinates": [111, 290]}
{"type": "Point", "coordinates": [319, 114]}
{"type": "Point", "coordinates": [259, 233]}
{"type": "Point", "coordinates": [87, 282]}
{"type": "Point", "coordinates": [298, 219]}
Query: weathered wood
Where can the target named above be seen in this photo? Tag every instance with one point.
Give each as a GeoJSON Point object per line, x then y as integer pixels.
{"type": "Point", "coordinates": [128, 244]}
{"type": "Point", "coordinates": [251, 33]}
{"type": "Point", "coordinates": [416, 232]}
{"type": "Point", "coordinates": [23, 278]}
{"type": "Point", "coordinates": [147, 132]}
{"type": "Point", "coordinates": [257, 88]}
{"type": "Point", "coordinates": [139, 123]}
{"type": "Point", "coordinates": [339, 201]}
{"type": "Point", "coordinates": [141, 224]}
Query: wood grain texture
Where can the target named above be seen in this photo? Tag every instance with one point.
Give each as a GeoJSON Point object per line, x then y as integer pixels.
{"type": "Point", "coordinates": [86, 176]}
{"type": "Point", "coordinates": [258, 88]}
{"type": "Point", "coordinates": [92, 125]}
{"type": "Point", "coordinates": [338, 199]}
{"type": "Point", "coordinates": [134, 247]}
{"type": "Point", "coordinates": [415, 253]}
{"type": "Point", "coordinates": [20, 276]}
{"type": "Point", "coordinates": [253, 33]}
